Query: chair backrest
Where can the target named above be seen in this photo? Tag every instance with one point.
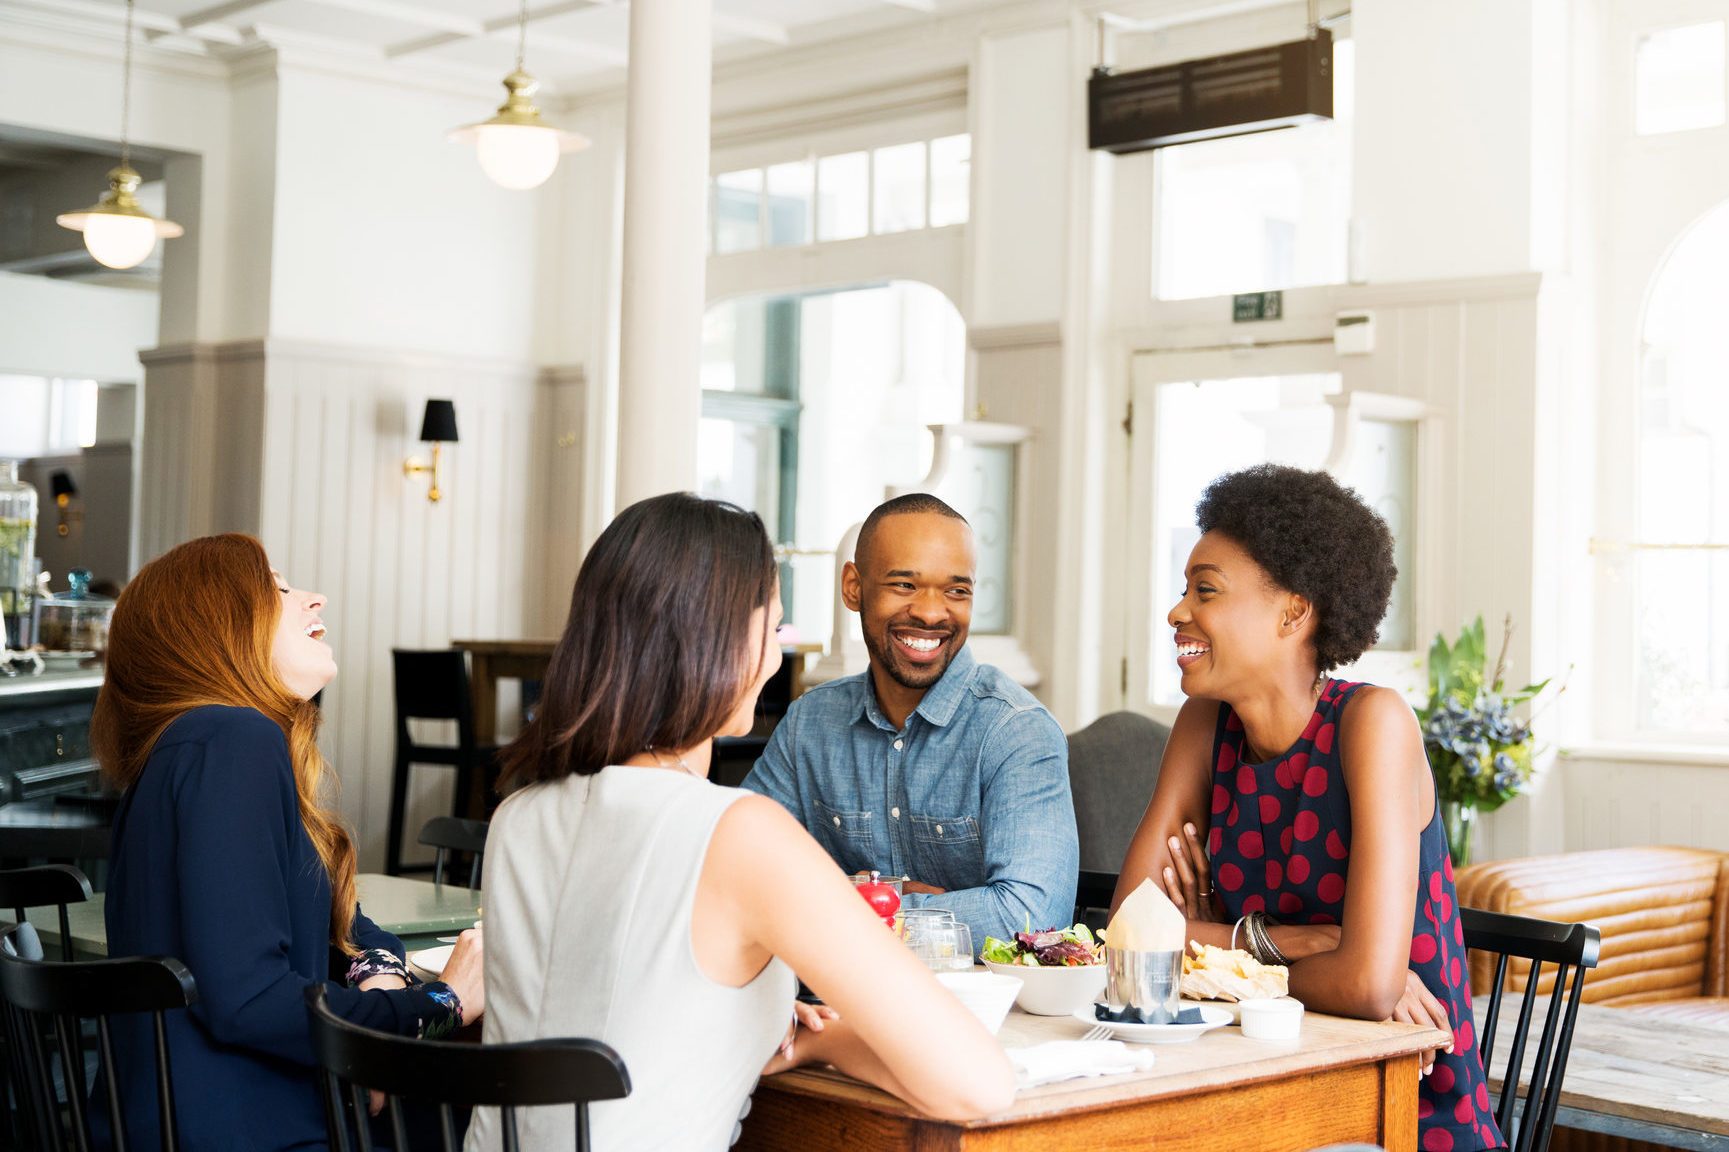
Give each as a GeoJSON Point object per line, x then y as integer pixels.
{"type": "Point", "coordinates": [1113, 766]}
{"type": "Point", "coordinates": [505, 1076]}
{"type": "Point", "coordinates": [1570, 949]}
{"type": "Point", "coordinates": [454, 834]}
{"type": "Point", "coordinates": [44, 1005]}
{"type": "Point", "coordinates": [47, 885]}
{"type": "Point", "coordinates": [432, 685]}
{"type": "Point", "coordinates": [1093, 892]}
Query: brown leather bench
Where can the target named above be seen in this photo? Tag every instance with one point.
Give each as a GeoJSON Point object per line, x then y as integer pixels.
{"type": "Point", "coordinates": [1664, 917]}
{"type": "Point", "coordinates": [1663, 913]}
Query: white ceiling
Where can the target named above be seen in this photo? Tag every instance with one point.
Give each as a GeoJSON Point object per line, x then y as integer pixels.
{"type": "Point", "coordinates": [572, 44]}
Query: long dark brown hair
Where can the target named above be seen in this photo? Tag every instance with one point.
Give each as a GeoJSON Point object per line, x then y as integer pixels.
{"type": "Point", "coordinates": [196, 626]}
{"type": "Point", "coordinates": [657, 650]}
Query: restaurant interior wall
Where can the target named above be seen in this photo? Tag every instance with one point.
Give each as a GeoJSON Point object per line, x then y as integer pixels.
{"type": "Point", "coordinates": [67, 329]}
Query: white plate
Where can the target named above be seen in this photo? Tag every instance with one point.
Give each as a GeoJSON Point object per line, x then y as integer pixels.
{"type": "Point", "coordinates": [63, 661]}
{"type": "Point", "coordinates": [1211, 1017]}
{"type": "Point", "coordinates": [431, 960]}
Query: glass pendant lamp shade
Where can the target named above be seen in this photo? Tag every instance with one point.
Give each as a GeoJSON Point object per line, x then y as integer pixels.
{"type": "Point", "coordinates": [119, 233]}
{"type": "Point", "coordinates": [117, 230]}
{"type": "Point", "coordinates": [518, 149]}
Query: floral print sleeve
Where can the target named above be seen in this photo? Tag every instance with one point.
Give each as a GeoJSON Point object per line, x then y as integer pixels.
{"type": "Point", "coordinates": [439, 1009]}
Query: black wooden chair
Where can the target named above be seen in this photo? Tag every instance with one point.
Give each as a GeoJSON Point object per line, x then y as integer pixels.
{"type": "Point", "coordinates": [431, 685]}
{"type": "Point", "coordinates": [1571, 949]}
{"type": "Point", "coordinates": [505, 1076]}
{"type": "Point", "coordinates": [1093, 892]}
{"type": "Point", "coordinates": [45, 1003]}
{"type": "Point", "coordinates": [46, 885]}
{"type": "Point", "coordinates": [450, 834]}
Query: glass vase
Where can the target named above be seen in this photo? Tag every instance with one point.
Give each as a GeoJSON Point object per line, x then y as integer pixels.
{"type": "Point", "coordinates": [1459, 818]}
{"type": "Point", "coordinates": [17, 554]}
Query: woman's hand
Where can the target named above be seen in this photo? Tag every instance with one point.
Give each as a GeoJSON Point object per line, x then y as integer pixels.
{"type": "Point", "coordinates": [465, 974]}
{"type": "Point", "coordinates": [1418, 1006]}
{"type": "Point", "coordinates": [808, 1017]}
{"type": "Point", "coordinates": [1189, 876]}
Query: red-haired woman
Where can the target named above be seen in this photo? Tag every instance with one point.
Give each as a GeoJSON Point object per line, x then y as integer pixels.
{"type": "Point", "coordinates": [225, 856]}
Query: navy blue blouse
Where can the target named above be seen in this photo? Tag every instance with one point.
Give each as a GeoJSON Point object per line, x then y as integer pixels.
{"type": "Point", "coordinates": [212, 865]}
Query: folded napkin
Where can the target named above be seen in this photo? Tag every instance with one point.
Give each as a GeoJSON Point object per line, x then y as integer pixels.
{"type": "Point", "coordinates": [1067, 1059]}
{"type": "Point", "coordinates": [1129, 1015]}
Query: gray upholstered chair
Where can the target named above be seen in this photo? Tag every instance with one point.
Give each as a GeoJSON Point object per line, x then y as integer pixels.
{"type": "Point", "coordinates": [1113, 765]}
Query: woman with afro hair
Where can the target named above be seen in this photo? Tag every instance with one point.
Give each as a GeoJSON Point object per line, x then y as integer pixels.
{"type": "Point", "coordinates": [1295, 814]}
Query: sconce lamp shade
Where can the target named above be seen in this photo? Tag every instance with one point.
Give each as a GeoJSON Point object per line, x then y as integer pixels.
{"type": "Point", "coordinates": [439, 423]}
{"type": "Point", "coordinates": [60, 485]}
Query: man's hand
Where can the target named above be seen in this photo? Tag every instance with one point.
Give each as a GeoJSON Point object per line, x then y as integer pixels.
{"type": "Point", "coordinates": [921, 889]}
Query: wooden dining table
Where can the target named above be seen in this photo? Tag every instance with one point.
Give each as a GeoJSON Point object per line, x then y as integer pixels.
{"type": "Point", "coordinates": [1341, 1081]}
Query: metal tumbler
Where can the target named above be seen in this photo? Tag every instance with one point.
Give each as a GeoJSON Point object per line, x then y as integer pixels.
{"type": "Point", "coordinates": [1146, 981]}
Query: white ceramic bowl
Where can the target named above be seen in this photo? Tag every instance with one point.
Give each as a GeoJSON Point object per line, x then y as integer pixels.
{"type": "Point", "coordinates": [1280, 1019]}
{"type": "Point", "coordinates": [986, 995]}
{"type": "Point", "coordinates": [1054, 991]}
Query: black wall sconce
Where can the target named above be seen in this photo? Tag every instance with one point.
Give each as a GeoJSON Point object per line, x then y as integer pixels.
{"type": "Point", "coordinates": [63, 490]}
{"type": "Point", "coordinates": [437, 427]}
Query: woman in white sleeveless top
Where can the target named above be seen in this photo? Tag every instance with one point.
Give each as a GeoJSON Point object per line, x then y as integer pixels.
{"type": "Point", "coordinates": [631, 901]}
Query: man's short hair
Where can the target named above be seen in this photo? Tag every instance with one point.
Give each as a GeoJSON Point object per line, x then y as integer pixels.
{"type": "Point", "coordinates": [911, 504]}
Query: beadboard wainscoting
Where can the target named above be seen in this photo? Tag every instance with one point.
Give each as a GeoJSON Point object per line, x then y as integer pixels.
{"type": "Point", "coordinates": [303, 445]}
{"type": "Point", "coordinates": [1619, 798]}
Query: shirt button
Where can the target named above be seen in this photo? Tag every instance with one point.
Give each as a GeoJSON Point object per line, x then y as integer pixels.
{"type": "Point", "coordinates": [897, 745]}
{"type": "Point", "coordinates": [939, 829]}
{"type": "Point", "coordinates": [837, 821]}
{"type": "Point", "coordinates": [895, 812]}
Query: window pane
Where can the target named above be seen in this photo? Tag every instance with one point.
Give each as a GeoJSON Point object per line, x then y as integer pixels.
{"type": "Point", "coordinates": [791, 190]}
{"type": "Point", "coordinates": [1679, 79]}
{"type": "Point", "coordinates": [1267, 210]}
{"type": "Point", "coordinates": [951, 179]}
{"type": "Point", "coordinates": [1681, 673]}
{"type": "Point", "coordinates": [843, 196]}
{"type": "Point", "coordinates": [899, 195]}
{"type": "Point", "coordinates": [740, 462]}
{"type": "Point", "coordinates": [738, 211]}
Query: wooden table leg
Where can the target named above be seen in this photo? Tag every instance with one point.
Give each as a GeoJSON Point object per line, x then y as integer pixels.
{"type": "Point", "coordinates": [1399, 1077]}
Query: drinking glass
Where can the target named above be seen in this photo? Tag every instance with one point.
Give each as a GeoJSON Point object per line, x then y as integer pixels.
{"type": "Point", "coordinates": [942, 946]}
{"type": "Point", "coordinates": [909, 920]}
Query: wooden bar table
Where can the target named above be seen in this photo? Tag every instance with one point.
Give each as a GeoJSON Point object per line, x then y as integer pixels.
{"type": "Point", "coordinates": [1342, 1081]}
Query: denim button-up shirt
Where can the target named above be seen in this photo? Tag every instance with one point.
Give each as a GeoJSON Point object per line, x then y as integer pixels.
{"type": "Point", "coordinates": [971, 795]}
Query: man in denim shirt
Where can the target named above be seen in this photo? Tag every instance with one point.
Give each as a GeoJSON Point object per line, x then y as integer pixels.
{"type": "Point", "coordinates": [930, 765]}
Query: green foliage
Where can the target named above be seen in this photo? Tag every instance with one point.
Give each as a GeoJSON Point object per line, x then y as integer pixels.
{"type": "Point", "coordinates": [1478, 749]}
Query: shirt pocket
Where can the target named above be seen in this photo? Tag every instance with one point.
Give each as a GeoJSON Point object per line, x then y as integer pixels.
{"type": "Point", "coordinates": [844, 832]}
{"type": "Point", "coordinates": [951, 854]}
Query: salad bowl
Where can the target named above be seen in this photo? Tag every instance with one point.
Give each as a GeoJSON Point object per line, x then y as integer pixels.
{"type": "Point", "coordinates": [1059, 969]}
{"type": "Point", "coordinates": [1054, 991]}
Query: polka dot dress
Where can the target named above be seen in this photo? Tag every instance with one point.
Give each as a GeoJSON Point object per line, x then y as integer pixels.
{"type": "Point", "coordinates": [1280, 840]}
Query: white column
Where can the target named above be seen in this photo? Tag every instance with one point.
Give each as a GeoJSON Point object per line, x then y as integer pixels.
{"type": "Point", "coordinates": [665, 212]}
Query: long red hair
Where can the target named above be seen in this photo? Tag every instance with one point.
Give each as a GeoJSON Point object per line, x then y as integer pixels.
{"type": "Point", "coordinates": [196, 626]}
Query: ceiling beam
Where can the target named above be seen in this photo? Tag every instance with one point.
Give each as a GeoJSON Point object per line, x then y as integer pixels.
{"type": "Point", "coordinates": [750, 28]}
{"type": "Point", "coordinates": [409, 14]}
{"type": "Point", "coordinates": [504, 28]}
{"type": "Point", "coordinates": [216, 13]}
{"type": "Point", "coordinates": [925, 6]}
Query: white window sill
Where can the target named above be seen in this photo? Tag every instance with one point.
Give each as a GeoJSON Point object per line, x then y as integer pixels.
{"type": "Point", "coordinates": [1694, 755]}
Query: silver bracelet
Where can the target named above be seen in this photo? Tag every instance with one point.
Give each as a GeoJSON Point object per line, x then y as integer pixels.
{"type": "Point", "coordinates": [1261, 944]}
{"type": "Point", "coordinates": [1235, 928]}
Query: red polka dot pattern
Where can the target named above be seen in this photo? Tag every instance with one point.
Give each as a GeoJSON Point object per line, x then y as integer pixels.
{"type": "Point", "coordinates": [1287, 852]}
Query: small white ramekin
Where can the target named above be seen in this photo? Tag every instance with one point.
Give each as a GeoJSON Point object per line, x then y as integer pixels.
{"type": "Point", "coordinates": [1280, 1019]}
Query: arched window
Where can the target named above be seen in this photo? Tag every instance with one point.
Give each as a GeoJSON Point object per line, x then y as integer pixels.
{"type": "Point", "coordinates": [1681, 500]}
{"type": "Point", "coordinates": [814, 404]}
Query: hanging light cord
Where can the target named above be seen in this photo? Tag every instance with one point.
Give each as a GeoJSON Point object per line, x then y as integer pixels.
{"type": "Point", "coordinates": [521, 35]}
{"type": "Point", "coordinates": [126, 96]}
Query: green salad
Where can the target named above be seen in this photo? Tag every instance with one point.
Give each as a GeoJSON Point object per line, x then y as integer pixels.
{"type": "Point", "coordinates": [1051, 948]}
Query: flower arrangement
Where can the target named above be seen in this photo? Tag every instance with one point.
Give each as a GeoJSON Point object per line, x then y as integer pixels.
{"type": "Point", "coordinates": [1478, 749]}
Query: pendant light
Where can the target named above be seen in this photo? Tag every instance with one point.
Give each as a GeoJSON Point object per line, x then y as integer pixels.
{"type": "Point", "coordinates": [517, 148]}
{"type": "Point", "coordinates": [118, 232]}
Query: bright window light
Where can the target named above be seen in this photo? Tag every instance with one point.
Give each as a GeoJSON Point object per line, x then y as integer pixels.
{"type": "Point", "coordinates": [1678, 79]}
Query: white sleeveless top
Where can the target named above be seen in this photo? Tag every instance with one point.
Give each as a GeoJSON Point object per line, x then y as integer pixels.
{"type": "Point", "coordinates": [590, 883]}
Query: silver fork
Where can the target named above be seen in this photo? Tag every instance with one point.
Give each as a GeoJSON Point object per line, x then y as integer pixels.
{"type": "Point", "coordinates": [1097, 1032]}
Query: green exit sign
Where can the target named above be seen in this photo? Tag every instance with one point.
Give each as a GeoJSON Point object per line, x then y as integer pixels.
{"type": "Point", "coordinates": [1249, 306]}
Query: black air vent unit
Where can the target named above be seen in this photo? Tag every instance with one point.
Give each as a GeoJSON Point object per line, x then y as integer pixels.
{"type": "Point", "coordinates": [1231, 95]}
